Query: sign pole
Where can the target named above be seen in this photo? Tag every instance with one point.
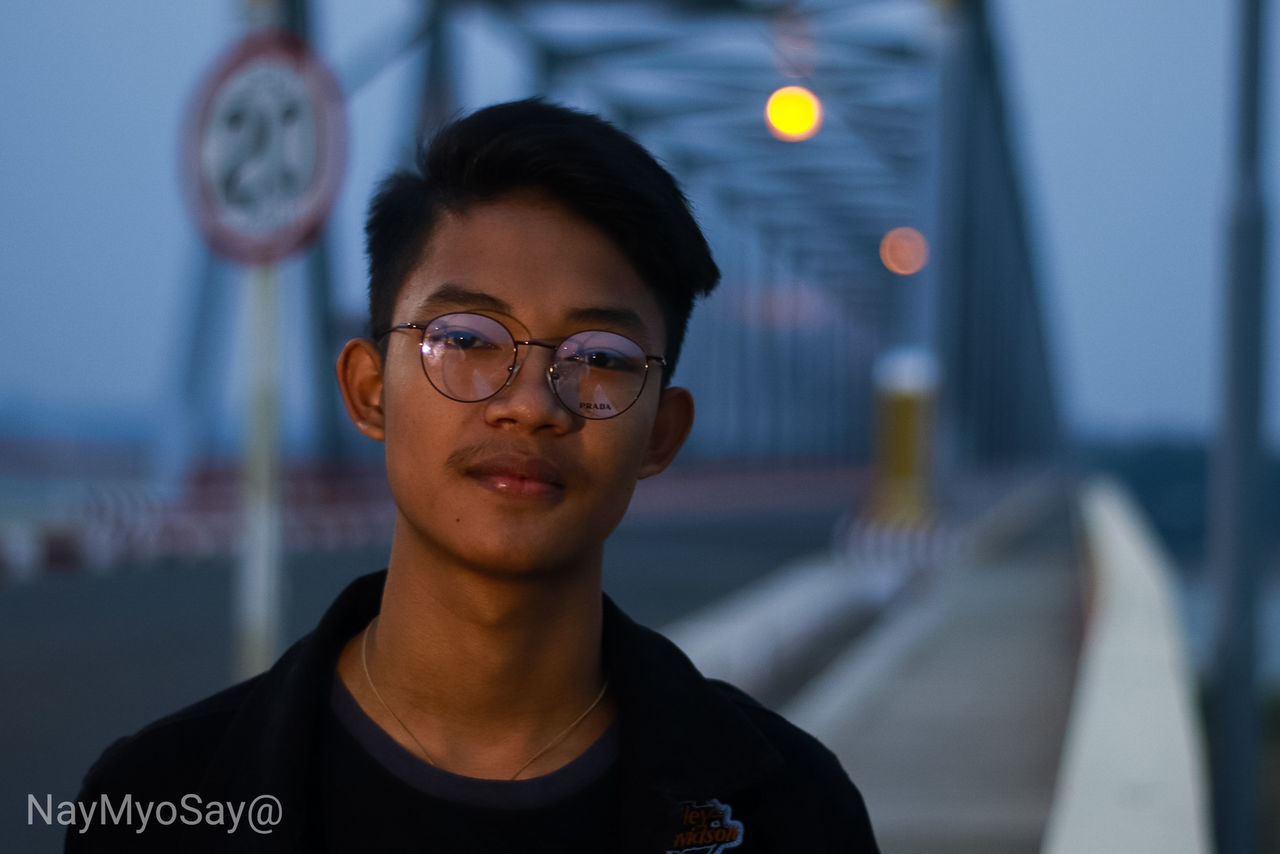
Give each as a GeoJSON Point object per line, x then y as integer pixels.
{"type": "Point", "coordinates": [258, 582]}
{"type": "Point", "coordinates": [263, 153]}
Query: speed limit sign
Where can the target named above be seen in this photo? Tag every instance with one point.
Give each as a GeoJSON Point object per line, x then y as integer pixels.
{"type": "Point", "coordinates": [264, 149]}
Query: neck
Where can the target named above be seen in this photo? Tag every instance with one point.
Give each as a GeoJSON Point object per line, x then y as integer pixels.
{"type": "Point", "coordinates": [476, 647]}
{"type": "Point", "coordinates": [485, 668]}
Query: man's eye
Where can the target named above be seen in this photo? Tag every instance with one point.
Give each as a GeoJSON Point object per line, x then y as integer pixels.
{"type": "Point", "coordinates": [604, 360]}
{"type": "Point", "coordinates": [459, 339]}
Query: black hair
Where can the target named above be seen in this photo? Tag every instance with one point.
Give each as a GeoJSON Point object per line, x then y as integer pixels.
{"type": "Point", "coordinates": [578, 159]}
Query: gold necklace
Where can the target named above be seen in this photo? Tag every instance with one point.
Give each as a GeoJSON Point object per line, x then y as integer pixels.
{"type": "Point", "coordinates": [364, 662]}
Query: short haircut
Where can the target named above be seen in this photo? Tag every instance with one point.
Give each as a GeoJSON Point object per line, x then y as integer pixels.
{"type": "Point", "coordinates": [579, 160]}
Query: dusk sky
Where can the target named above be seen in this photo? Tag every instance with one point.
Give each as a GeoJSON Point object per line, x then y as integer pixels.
{"type": "Point", "coordinates": [1123, 122]}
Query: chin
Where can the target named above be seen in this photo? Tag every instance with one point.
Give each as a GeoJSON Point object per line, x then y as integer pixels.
{"type": "Point", "coordinates": [521, 552]}
{"type": "Point", "coordinates": [517, 564]}
{"type": "Point", "coordinates": [502, 542]}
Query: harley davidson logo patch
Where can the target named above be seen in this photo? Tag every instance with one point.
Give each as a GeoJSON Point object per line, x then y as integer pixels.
{"type": "Point", "coordinates": [706, 828]}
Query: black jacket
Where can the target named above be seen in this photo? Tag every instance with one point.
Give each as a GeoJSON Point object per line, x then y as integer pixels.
{"type": "Point", "coordinates": [684, 741]}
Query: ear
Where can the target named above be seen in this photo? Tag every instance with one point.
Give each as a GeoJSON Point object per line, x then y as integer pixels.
{"type": "Point", "coordinates": [670, 428]}
{"type": "Point", "coordinates": [360, 378]}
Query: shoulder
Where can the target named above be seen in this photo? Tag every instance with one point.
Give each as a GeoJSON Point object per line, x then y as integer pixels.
{"type": "Point", "coordinates": [801, 751]}
{"type": "Point", "coordinates": [173, 749]}
{"type": "Point", "coordinates": [164, 762]}
{"type": "Point", "coordinates": [810, 782]}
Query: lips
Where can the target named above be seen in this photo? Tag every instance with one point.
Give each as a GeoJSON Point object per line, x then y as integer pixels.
{"type": "Point", "coordinates": [518, 476]}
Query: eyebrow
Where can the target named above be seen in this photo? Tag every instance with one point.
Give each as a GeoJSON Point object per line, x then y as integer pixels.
{"type": "Point", "coordinates": [453, 295]}
{"type": "Point", "coordinates": [456, 296]}
{"type": "Point", "coordinates": [616, 318]}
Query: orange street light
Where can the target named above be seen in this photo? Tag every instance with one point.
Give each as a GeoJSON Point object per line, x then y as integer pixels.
{"type": "Point", "coordinates": [793, 113]}
{"type": "Point", "coordinates": [904, 251]}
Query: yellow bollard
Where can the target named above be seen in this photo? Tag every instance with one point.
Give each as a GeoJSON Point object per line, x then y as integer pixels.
{"type": "Point", "coordinates": [905, 392]}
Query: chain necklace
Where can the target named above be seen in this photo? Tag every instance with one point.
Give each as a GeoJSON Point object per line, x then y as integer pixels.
{"type": "Point", "coordinates": [364, 662]}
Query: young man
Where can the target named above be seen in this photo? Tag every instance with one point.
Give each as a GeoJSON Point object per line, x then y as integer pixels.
{"type": "Point", "coordinates": [530, 285]}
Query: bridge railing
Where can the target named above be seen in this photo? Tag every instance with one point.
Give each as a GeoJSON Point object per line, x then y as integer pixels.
{"type": "Point", "coordinates": [1133, 775]}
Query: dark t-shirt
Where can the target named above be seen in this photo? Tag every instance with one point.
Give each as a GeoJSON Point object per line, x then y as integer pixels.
{"type": "Point", "coordinates": [374, 795]}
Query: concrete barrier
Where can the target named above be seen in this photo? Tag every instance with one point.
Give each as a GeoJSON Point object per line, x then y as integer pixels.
{"type": "Point", "coordinates": [1132, 776]}
{"type": "Point", "coordinates": [753, 637]}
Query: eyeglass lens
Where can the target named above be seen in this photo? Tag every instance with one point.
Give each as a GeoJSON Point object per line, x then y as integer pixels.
{"type": "Point", "coordinates": [469, 357]}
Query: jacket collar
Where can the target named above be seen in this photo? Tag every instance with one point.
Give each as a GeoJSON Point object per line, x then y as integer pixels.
{"type": "Point", "coordinates": [692, 740]}
{"type": "Point", "coordinates": [680, 737]}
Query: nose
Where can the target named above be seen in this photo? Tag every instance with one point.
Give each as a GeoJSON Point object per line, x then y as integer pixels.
{"type": "Point", "coordinates": [528, 398]}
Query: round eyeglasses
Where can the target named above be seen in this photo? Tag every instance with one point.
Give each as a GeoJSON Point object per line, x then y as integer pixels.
{"type": "Point", "coordinates": [471, 357]}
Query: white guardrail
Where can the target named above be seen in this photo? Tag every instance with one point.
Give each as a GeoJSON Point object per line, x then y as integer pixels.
{"type": "Point", "coordinates": [1132, 777]}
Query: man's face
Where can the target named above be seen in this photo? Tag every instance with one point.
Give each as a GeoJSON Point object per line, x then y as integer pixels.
{"type": "Point", "coordinates": [517, 483]}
